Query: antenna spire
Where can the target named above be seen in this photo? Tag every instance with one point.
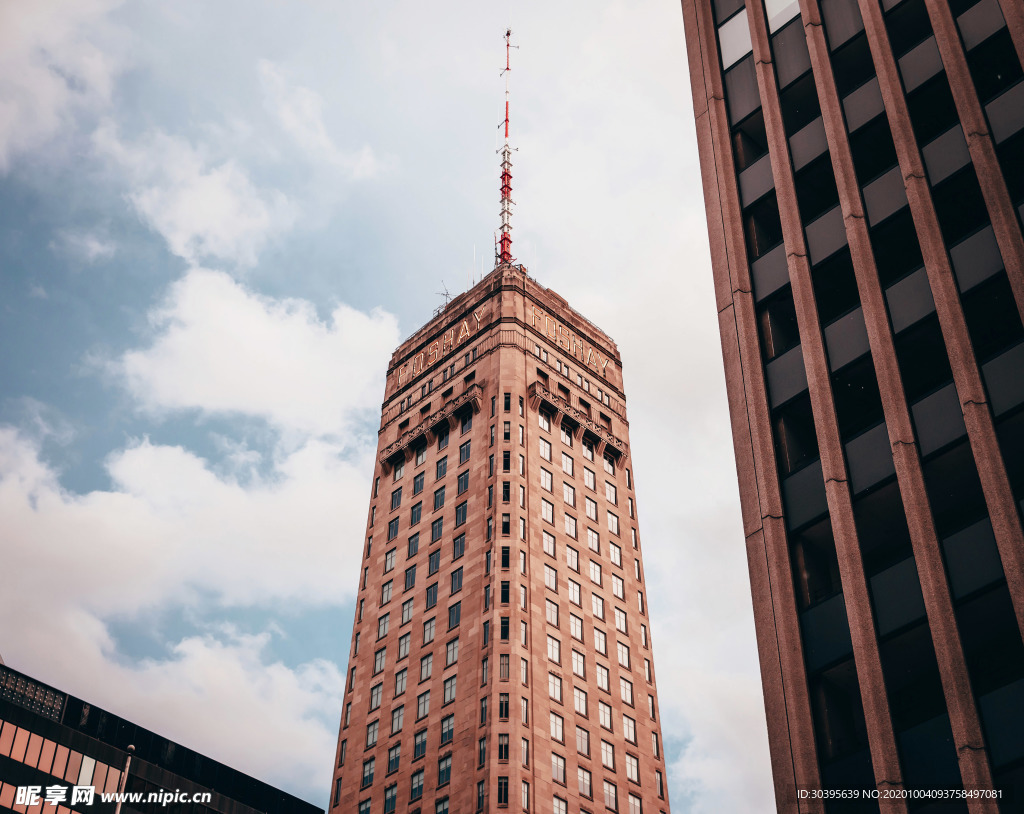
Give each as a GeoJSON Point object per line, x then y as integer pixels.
{"type": "Point", "coordinates": [504, 241]}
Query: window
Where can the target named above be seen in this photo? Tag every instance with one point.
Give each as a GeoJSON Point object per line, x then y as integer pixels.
{"type": "Point", "coordinates": [504, 628]}
{"type": "Point", "coordinates": [410, 582]}
{"type": "Point", "coordinates": [415, 513]}
{"type": "Point", "coordinates": [570, 525]}
{"type": "Point", "coordinates": [426, 666]}
{"type": "Point", "coordinates": [558, 769]}
{"type": "Point", "coordinates": [449, 689]}
{"type": "Point", "coordinates": [419, 744]}
{"type": "Point", "coordinates": [396, 498]}
{"type": "Point", "coordinates": [610, 492]}
{"type": "Point", "coordinates": [602, 678]}
{"type": "Point", "coordinates": [454, 615]}
{"type": "Point", "coordinates": [609, 465]}
{"type": "Point", "coordinates": [483, 666]}
{"type": "Point", "coordinates": [371, 733]}
{"type": "Point", "coordinates": [368, 772]}
{"type": "Point", "coordinates": [550, 578]}
{"type": "Point", "coordinates": [589, 480]}
{"type": "Point", "coordinates": [436, 529]}
{"type": "Point", "coordinates": [463, 482]}
{"type": "Point", "coordinates": [594, 540]}
{"type": "Point", "coordinates": [506, 434]}
{"type": "Point", "coordinates": [543, 421]}
{"type": "Point", "coordinates": [618, 587]}
{"type": "Point", "coordinates": [341, 754]}
{"type": "Point", "coordinates": [643, 635]}
{"type": "Point", "coordinates": [574, 593]}
{"type": "Point", "coordinates": [394, 756]}
{"type": "Point", "coordinates": [595, 572]}
{"type": "Point", "coordinates": [522, 465]}
{"type": "Point", "coordinates": [421, 455]}
{"type": "Point", "coordinates": [375, 694]}
{"type": "Point", "coordinates": [522, 562]}
{"type": "Point", "coordinates": [522, 528]}
{"type": "Point", "coordinates": [623, 652]}
{"type": "Point", "coordinates": [616, 556]}
{"type": "Point", "coordinates": [481, 751]}
{"type": "Point", "coordinates": [438, 498]}
{"type": "Point", "coordinates": [636, 805]}
{"type": "Point", "coordinates": [522, 597]}
{"type": "Point", "coordinates": [525, 710]}
{"type": "Point", "coordinates": [441, 806]}
{"type": "Point", "coordinates": [567, 466]}
{"type": "Point", "coordinates": [572, 558]}
{"type": "Point", "coordinates": [428, 631]}
{"type": "Point", "coordinates": [575, 627]}
{"type": "Point", "coordinates": [506, 525]}
{"type": "Point", "coordinates": [378, 660]}
{"type": "Point", "coordinates": [607, 755]}
{"type": "Point", "coordinates": [554, 687]}
{"type": "Point", "coordinates": [545, 479]}
{"type": "Point", "coordinates": [466, 422]}
{"type": "Point", "coordinates": [568, 494]}
{"type": "Point", "coordinates": [556, 727]}
{"type": "Point", "coordinates": [451, 654]}
{"type": "Point", "coordinates": [456, 580]}
{"type": "Point", "coordinates": [400, 678]}
{"type": "Point", "coordinates": [551, 612]}
{"type": "Point", "coordinates": [460, 513]}
{"type": "Point", "coordinates": [547, 511]}
{"type": "Point", "coordinates": [579, 701]}
{"type": "Point", "coordinates": [483, 708]}
{"type": "Point", "coordinates": [444, 770]}
{"type": "Point", "coordinates": [545, 449]}
{"type": "Point", "coordinates": [442, 436]}
{"type": "Point", "coordinates": [385, 595]}
{"type": "Point", "coordinates": [399, 470]}
{"type": "Point", "coordinates": [554, 650]}
{"type": "Point", "coordinates": [604, 713]}
{"type": "Point", "coordinates": [620, 622]}
{"type": "Point", "coordinates": [579, 664]}
{"type": "Point", "coordinates": [433, 563]}
{"type": "Point", "coordinates": [597, 604]}
{"type": "Point", "coordinates": [503, 706]}
{"type": "Point", "coordinates": [392, 528]}
{"type": "Point", "coordinates": [503, 791]}
{"type": "Point", "coordinates": [565, 433]}
{"type": "Point", "coordinates": [582, 741]}
{"type": "Point", "coordinates": [632, 768]}
{"type": "Point", "coordinates": [416, 784]}
{"type": "Point", "coordinates": [431, 596]}
{"type": "Point", "coordinates": [524, 670]}
{"type": "Point", "coordinates": [560, 806]}
{"type": "Point", "coordinates": [613, 523]}
{"type": "Point", "coordinates": [611, 796]}
{"type": "Point", "coordinates": [364, 807]}
{"type": "Point", "coordinates": [591, 508]}
{"type": "Point", "coordinates": [549, 543]}
{"type": "Point", "coordinates": [464, 453]}
{"type": "Point", "coordinates": [417, 482]}
{"type": "Point", "coordinates": [423, 705]}
{"type": "Point", "coordinates": [584, 779]}
{"type": "Point", "coordinates": [506, 461]}
{"type": "Point", "coordinates": [647, 670]}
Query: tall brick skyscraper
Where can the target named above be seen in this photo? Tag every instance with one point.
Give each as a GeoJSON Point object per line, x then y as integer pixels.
{"type": "Point", "coordinates": [501, 652]}
{"type": "Point", "coordinates": [863, 166]}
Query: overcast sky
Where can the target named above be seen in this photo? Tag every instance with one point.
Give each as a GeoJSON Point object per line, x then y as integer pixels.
{"type": "Point", "coordinates": [212, 215]}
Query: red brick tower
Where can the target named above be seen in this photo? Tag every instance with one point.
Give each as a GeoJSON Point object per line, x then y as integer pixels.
{"type": "Point", "coordinates": [501, 654]}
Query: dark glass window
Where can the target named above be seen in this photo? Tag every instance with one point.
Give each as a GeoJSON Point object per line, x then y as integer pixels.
{"type": "Point", "coordinates": [436, 529]}
{"type": "Point", "coordinates": [434, 562]}
{"type": "Point", "coordinates": [396, 498]}
{"type": "Point", "coordinates": [431, 596]}
{"type": "Point", "coordinates": [417, 483]}
{"type": "Point", "coordinates": [416, 513]}
{"type": "Point", "coordinates": [414, 545]}
{"type": "Point", "coordinates": [460, 513]}
{"type": "Point", "coordinates": [458, 546]}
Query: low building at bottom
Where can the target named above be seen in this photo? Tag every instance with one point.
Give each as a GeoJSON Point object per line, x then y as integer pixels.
{"type": "Point", "coordinates": [53, 742]}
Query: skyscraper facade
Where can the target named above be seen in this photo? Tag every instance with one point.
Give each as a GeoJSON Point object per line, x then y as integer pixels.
{"type": "Point", "coordinates": [501, 655]}
{"type": "Point", "coordinates": [863, 169]}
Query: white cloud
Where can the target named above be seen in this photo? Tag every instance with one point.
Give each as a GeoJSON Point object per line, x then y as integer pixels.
{"type": "Point", "coordinates": [299, 111]}
{"type": "Point", "coordinates": [86, 245]}
{"type": "Point", "coordinates": [55, 61]}
{"type": "Point", "coordinates": [223, 349]}
{"type": "Point", "coordinates": [204, 209]}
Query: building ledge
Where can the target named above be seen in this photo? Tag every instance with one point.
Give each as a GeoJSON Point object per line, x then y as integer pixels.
{"type": "Point", "coordinates": [469, 399]}
{"type": "Point", "coordinates": [583, 426]}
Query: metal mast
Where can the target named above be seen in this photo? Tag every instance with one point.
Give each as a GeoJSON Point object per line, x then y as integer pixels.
{"type": "Point", "coordinates": [505, 238]}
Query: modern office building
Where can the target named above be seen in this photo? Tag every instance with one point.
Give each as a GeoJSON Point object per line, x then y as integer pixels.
{"type": "Point", "coordinates": [501, 655]}
{"type": "Point", "coordinates": [49, 739]}
{"type": "Point", "coordinates": [863, 169]}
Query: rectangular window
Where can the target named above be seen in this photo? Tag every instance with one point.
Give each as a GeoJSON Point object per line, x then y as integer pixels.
{"type": "Point", "coordinates": [603, 681]}
{"type": "Point", "coordinates": [451, 654]}
{"type": "Point", "coordinates": [558, 769]}
{"type": "Point", "coordinates": [428, 631]}
{"type": "Point", "coordinates": [615, 553]}
{"type": "Point", "coordinates": [396, 498]}
{"type": "Point", "coordinates": [417, 483]}
{"type": "Point", "coordinates": [610, 492]}
{"type": "Point", "coordinates": [589, 480]}
{"type": "Point", "coordinates": [368, 772]}
{"type": "Point", "coordinates": [454, 615]}
{"type": "Point", "coordinates": [466, 423]}
{"type": "Point", "coordinates": [550, 578]}
{"type": "Point", "coordinates": [415, 513]}
{"type": "Point", "coordinates": [595, 572]}
{"type": "Point", "coordinates": [545, 449]}
{"type": "Point", "coordinates": [626, 691]}
{"type": "Point", "coordinates": [549, 543]}
{"type": "Point", "coordinates": [400, 678]}
{"type": "Point", "coordinates": [574, 592]}
{"type": "Point", "coordinates": [436, 529]}
{"type": "Point", "coordinates": [591, 508]}
{"type": "Point", "coordinates": [597, 603]}
{"type": "Point", "coordinates": [613, 523]}
{"type": "Point", "coordinates": [503, 706]}
{"type": "Point", "coordinates": [419, 744]}
{"type": "Point", "coordinates": [449, 690]}
{"type": "Point", "coordinates": [575, 627]}
{"type": "Point", "coordinates": [582, 741]}
{"type": "Point", "coordinates": [554, 650]}
{"type": "Point", "coordinates": [547, 511]}
{"type": "Point", "coordinates": [371, 733]}
{"type": "Point", "coordinates": [382, 625]}
{"type": "Point", "coordinates": [431, 596]}
{"type": "Point", "coordinates": [444, 770]}
{"type": "Point", "coordinates": [594, 540]}
{"type": "Point", "coordinates": [442, 436]}
{"type": "Point", "coordinates": [620, 621]}
{"type": "Point", "coordinates": [456, 580]}
{"type": "Point", "coordinates": [556, 727]}
{"type": "Point", "coordinates": [567, 464]}
{"type": "Point", "coordinates": [438, 498]}
{"type": "Point", "coordinates": [426, 666]}
{"type": "Point", "coordinates": [385, 592]}
{"type": "Point", "coordinates": [568, 494]}
{"type": "Point", "coordinates": [572, 558]}
{"type": "Point", "coordinates": [543, 421]}
{"type": "Point", "coordinates": [392, 528]}
{"type": "Point", "coordinates": [628, 728]}
{"type": "Point", "coordinates": [506, 525]}
{"type": "Point", "coordinates": [579, 664]}
{"type": "Point", "coordinates": [570, 525]}
{"type": "Point", "coordinates": [551, 612]}
{"type": "Point", "coordinates": [463, 482]}
{"type": "Point", "coordinates": [632, 768]}
{"type": "Point", "coordinates": [394, 757]}
{"type": "Point", "coordinates": [410, 582]}
{"type": "Point", "coordinates": [506, 461]}
{"type": "Point", "coordinates": [423, 705]}
{"type": "Point", "coordinates": [623, 653]}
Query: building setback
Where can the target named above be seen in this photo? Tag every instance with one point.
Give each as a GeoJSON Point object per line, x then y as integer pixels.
{"type": "Point", "coordinates": [49, 738]}
{"type": "Point", "coordinates": [863, 168]}
{"type": "Point", "coordinates": [501, 651]}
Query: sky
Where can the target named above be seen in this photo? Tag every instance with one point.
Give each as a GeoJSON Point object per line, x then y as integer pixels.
{"type": "Point", "coordinates": [217, 220]}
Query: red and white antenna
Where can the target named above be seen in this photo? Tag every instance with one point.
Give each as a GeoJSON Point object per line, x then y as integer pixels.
{"type": "Point", "coordinates": [503, 249]}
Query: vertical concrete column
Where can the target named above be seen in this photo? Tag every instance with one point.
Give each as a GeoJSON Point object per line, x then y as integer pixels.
{"type": "Point", "coordinates": [787, 703]}
{"type": "Point", "coordinates": [863, 634]}
{"type": "Point", "coordinates": [1006, 523]}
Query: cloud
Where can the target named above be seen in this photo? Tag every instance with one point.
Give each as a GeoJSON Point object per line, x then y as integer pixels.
{"type": "Point", "coordinates": [85, 245]}
{"type": "Point", "coordinates": [55, 61]}
{"type": "Point", "coordinates": [203, 208]}
{"type": "Point", "coordinates": [299, 111]}
{"type": "Point", "coordinates": [222, 349]}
